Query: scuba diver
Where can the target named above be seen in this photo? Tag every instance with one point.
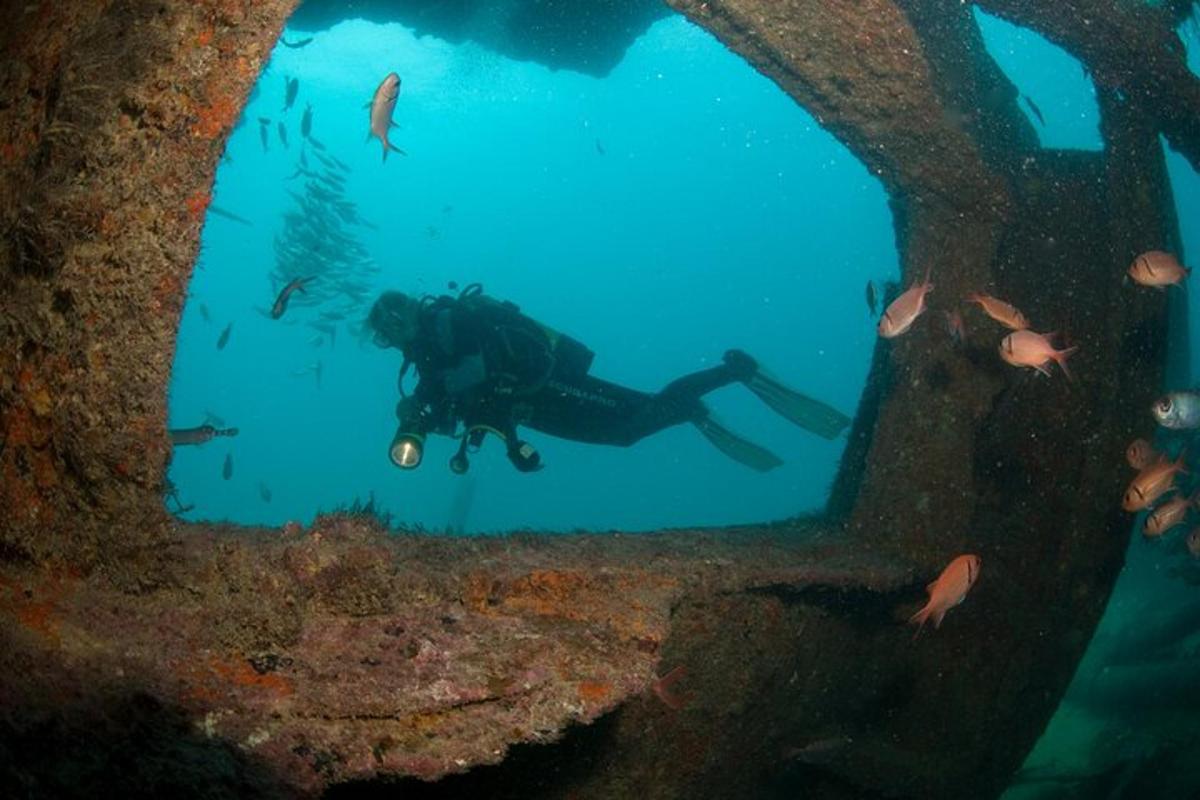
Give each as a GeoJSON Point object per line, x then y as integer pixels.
{"type": "Point", "coordinates": [484, 367]}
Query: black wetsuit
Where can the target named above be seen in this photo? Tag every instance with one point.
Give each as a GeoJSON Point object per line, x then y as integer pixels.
{"type": "Point", "coordinates": [484, 364]}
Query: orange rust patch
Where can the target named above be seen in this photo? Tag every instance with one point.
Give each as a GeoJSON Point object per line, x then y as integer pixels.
{"type": "Point", "coordinates": [583, 596]}
{"type": "Point", "coordinates": [215, 118]}
{"type": "Point", "coordinates": [594, 691]}
{"type": "Point", "coordinates": [197, 203]}
{"type": "Point", "coordinates": [36, 605]}
{"type": "Point", "coordinates": [204, 37]}
{"type": "Point", "coordinates": [210, 681]}
{"type": "Point", "coordinates": [240, 673]}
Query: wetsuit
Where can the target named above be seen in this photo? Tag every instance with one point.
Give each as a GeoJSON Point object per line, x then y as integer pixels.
{"type": "Point", "coordinates": [484, 364]}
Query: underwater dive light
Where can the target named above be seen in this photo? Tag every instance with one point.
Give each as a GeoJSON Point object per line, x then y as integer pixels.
{"type": "Point", "coordinates": [406, 449]}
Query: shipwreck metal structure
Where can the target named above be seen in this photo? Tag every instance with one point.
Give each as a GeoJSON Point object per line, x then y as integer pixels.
{"type": "Point", "coordinates": [196, 661]}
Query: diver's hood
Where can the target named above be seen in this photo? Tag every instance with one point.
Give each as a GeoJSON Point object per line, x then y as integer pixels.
{"type": "Point", "coordinates": [393, 318]}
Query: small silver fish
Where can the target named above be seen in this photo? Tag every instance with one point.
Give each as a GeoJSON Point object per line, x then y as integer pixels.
{"type": "Point", "coordinates": [1178, 411]}
{"type": "Point", "coordinates": [291, 89]}
{"type": "Point", "coordinates": [306, 121]}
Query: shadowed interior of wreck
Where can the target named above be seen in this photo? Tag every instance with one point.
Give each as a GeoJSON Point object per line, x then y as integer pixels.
{"type": "Point", "coordinates": [283, 662]}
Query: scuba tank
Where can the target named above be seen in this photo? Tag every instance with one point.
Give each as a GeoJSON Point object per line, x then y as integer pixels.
{"type": "Point", "coordinates": [529, 341]}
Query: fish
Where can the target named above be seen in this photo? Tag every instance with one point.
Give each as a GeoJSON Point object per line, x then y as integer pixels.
{"type": "Point", "coordinates": [821, 751]}
{"type": "Point", "coordinates": [296, 45]}
{"type": "Point", "coordinates": [263, 125]}
{"type": "Point", "coordinates": [281, 301]}
{"type": "Point", "coordinates": [904, 310]}
{"type": "Point", "coordinates": [382, 105]}
{"type": "Point", "coordinates": [199, 434]}
{"type": "Point", "coordinates": [1037, 112]}
{"type": "Point", "coordinates": [227, 467]}
{"type": "Point", "coordinates": [1171, 513]}
{"type": "Point", "coordinates": [220, 212]}
{"type": "Point", "coordinates": [1177, 411]}
{"type": "Point", "coordinates": [291, 89]}
{"type": "Point", "coordinates": [303, 158]}
{"type": "Point", "coordinates": [313, 141]}
{"type": "Point", "coordinates": [1004, 313]}
{"type": "Point", "coordinates": [872, 298]}
{"type": "Point", "coordinates": [204, 309]}
{"type": "Point", "coordinates": [306, 121]}
{"type": "Point", "coordinates": [1033, 350]}
{"type": "Point", "coordinates": [955, 326]}
{"type": "Point", "coordinates": [662, 689]}
{"type": "Point", "coordinates": [1141, 454]}
{"type": "Point", "coordinates": [327, 329]}
{"type": "Point", "coordinates": [1158, 269]}
{"type": "Point", "coordinates": [264, 492]}
{"type": "Point", "coordinates": [223, 339]}
{"type": "Point", "coordinates": [342, 165]}
{"type": "Point", "coordinates": [948, 590]}
{"type": "Point", "coordinates": [599, 147]}
{"type": "Point", "coordinates": [1152, 483]}
{"type": "Point", "coordinates": [282, 133]}
{"type": "Point", "coordinates": [312, 369]}
{"type": "Point", "coordinates": [1193, 542]}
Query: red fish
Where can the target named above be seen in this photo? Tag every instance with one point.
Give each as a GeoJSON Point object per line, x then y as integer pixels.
{"type": "Point", "coordinates": [281, 302]}
{"type": "Point", "coordinates": [1193, 542]}
{"type": "Point", "coordinates": [1033, 350]}
{"type": "Point", "coordinates": [1171, 513]}
{"type": "Point", "coordinates": [1158, 269]}
{"type": "Point", "coordinates": [955, 326]}
{"type": "Point", "coordinates": [382, 105]}
{"type": "Point", "coordinates": [662, 689]}
{"type": "Point", "coordinates": [904, 310]}
{"type": "Point", "coordinates": [948, 590]}
{"type": "Point", "coordinates": [1004, 313]}
{"type": "Point", "coordinates": [1152, 483]}
{"type": "Point", "coordinates": [1141, 454]}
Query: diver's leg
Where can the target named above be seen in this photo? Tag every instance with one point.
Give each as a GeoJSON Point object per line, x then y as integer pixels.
{"type": "Point", "coordinates": [588, 409]}
{"type": "Point", "coordinates": [583, 408]}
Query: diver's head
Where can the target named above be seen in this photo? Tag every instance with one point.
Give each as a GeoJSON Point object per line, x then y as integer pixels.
{"type": "Point", "coordinates": [393, 319]}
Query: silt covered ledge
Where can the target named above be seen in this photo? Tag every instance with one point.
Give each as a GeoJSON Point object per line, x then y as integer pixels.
{"type": "Point", "coordinates": [168, 657]}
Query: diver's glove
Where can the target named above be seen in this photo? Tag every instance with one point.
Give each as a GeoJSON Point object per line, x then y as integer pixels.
{"type": "Point", "coordinates": [523, 455]}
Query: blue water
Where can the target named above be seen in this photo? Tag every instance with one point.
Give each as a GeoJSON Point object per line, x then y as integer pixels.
{"type": "Point", "coordinates": [719, 215]}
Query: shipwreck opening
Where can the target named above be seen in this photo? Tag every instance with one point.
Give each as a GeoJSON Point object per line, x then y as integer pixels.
{"type": "Point", "coordinates": [1057, 94]}
{"type": "Point", "coordinates": [675, 206]}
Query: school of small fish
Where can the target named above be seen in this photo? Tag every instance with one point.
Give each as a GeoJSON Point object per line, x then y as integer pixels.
{"type": "Point", "coordinates": [318, 260]}
{"type": "Point", "coordinates": [1157, 488]}
{"type": "Point", "coordinates": [1154, 488]}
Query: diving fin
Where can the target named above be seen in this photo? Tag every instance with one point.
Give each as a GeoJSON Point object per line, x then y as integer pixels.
{"type": "Point", "coordinates": [799, 409]}
{"type": "Point", "coordinates": [737, 448]}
